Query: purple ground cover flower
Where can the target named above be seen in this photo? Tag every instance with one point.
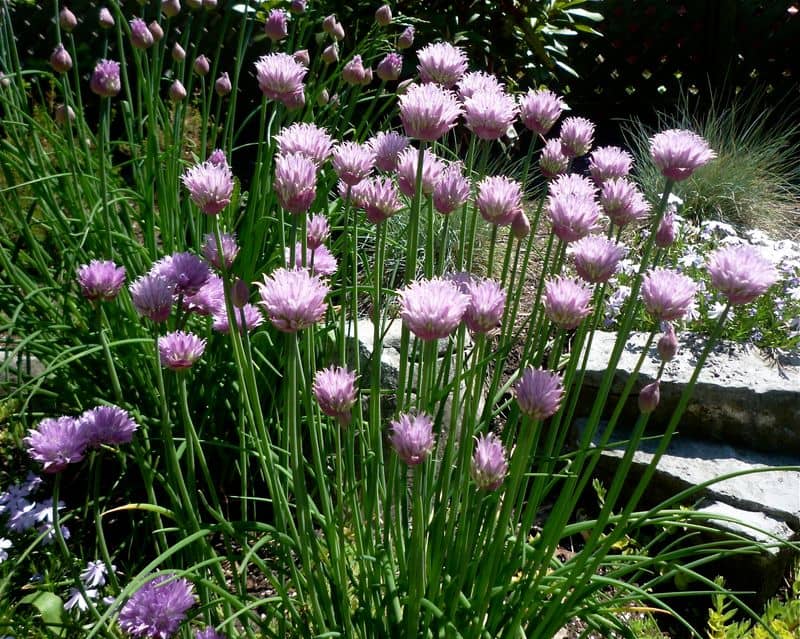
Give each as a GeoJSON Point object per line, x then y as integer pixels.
{"type": "Point", "coordinates": [432, 309]}
{"type": "Point", "coordinates": [487, 301]}
{"type": "Point", "coordinates": [539, 393]}
{"type": "Point", "coordinates": [489, 114]}
{"type": "Point", "coordinates": [667, 295]}
{"type": "Point", "coordinates": [566, 301]}
{"type": "Point", "coordinates": [294, 299]}
{"type": "Point", "coordinates": [441, 63]}
{"type": "Point", "coordinates": [56, 443]}
{"type": "Point", "coordinates": [741, 273]}
{"type": "Point", "coordinates": [432, 168]}
{"type": "Point", "coordinates": [540, 110]}
{"type": "Point", "coordinates": [499, 199]}
{"type": "Point", "coordinates": [412, 437]}
{"type": "Point", "coordinates": [596, 258]}
{"type": "Point", "coordinates": [335, 390]}
{"type": "Point", "coordinates": [179, 350]}
{"type": "Point", "coordinates": [101, 280]}
{"type": "Point", "coordinates": [157, 609]}
{"type": "Point", "coordinates": [679, 153]}
{"type": "Point", "coordinates": [387, 145]}
{"type": "Point", "coordinates": [295, 182]}
{"type": "Point", "coordinates": [210, 186]}
{"type": "Point", "coordinates": [110, 425]}
{"type": "Point", "coordinates": [489, 464]}
{"type": "Point", "coordinates": [280, 77]}
{"type": "Point", "coordinates": [152, 297]}
{"type": "Point", "coordinates": [428, 111]}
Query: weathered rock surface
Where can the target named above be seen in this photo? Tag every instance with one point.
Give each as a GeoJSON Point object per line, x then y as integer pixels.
{"type": "Point", "coordinates": [16, 368]}
{"type": "Point", "coordinates": [739, 398]}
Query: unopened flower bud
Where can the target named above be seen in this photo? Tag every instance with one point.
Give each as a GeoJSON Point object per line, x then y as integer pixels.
{"type": "Point", "coordinates": [240, 293]}
{"type": "Point", "coordinates": [328, 24]}
{"type": "Point", "coordinates": [338, 31]}
{"type": "Point", "coordinates": [194, 4]}
{"type": "Point", "coordinates": [297, 6]}
{"type": "Point", "coordinates": [60, 60]}
{"type": "Point", "coordinates": [665, 235]}
{"type": "Point", "coordinates": [390, 67]}
{"type": "Point", "coordinates": [177, 92]}
{"type": "Point", "coordinates": [178, 54]}
{"type": "Point", "coordinates": [520, 226]}
{"type": "Point", "coordinates": [649, 397]}
{"type": "Point", "coordinates": [223, 85]}
{"type": "Point", "coordinates": [171, 8]}
{"type": "Point", "coordinates": [64, 113]}
{"type": "Point", "coordinates": [156, 30]}
{"type": "Point", "coordinates": [383, 16]}
{"type": "Point", "coordinates": [141, 38]}
{"type": "Point", "coordinates": [106, 19]}
{"type": "Point", "coordinates": [5, 81]}
{"type": "Point", "coordinates": [67, 20]}
{"type": "Point", "coordinates": [302, 57]}
{"type": "Point", "coordinates": [331, 54]}
{"type": "Point", "coordinates": [404, 86]}
{"type": "Point", "coordinates": [668, 344]}
{"type": "Point", "coordinates": [276, 26]}
{"type": "Point", "coordinates": [210, 5]}
{"type": "Point", "coordinates": [406, 38]}
{"type": "Point", "coordinates": [201, 65]}
{"type": "Point", "coordinates": [323, 98]}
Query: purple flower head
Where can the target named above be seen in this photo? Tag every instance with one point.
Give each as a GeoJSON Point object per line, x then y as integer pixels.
{"type": "Point", "coordinates": [354, 193]}
{"type": "Point", "coordinates": [608, 162]}
{"type": "Point", "coordinates": [101, 280]}
{"type": "Point", "coordinates": [105, 79]}
{"type": "Point", "coordinates": [668, 295]}
{"type": "Point", "coordinates": [240, 293]}
{"type": "Point", "coordinates": [156, 31]}
{"type": "Point", "coordinates": [487, 301]}
{"type": "Point", "coordinates": [573, 216]}
{"type": "Point", "coordinates": [335, 390]}
{"type": "Point", "coordinates": [539, 110]}
{"type": "Point", "coordinates": [179, 350]}
{"type": "Point", "coordinates": [157, 609]}
{"type": "Point", "coordinates": [521, 225]}
{"type": "Point", "coordinates": [141, 37]}
{"type": "Point", "coordinates": [110, 425]}
{"type": "Point", "coordinates": [489, 114]}
{"type": "Point", "coordinates": [474, 82]}
{"type": "Point", "coordinates": [294, 299]}
{"type": "Point", "coordinates": [208, 632]}
{"type": "Point", "coordinates": [184, 272]}
{"type": "Point", "coordinates": [252, 319]}
{"type": "Point", "coordinates": [668, 343]}
{"type": "Point", "coordinates": [576, 135]}
{"type": "Point", "coordinates": [441, 63]}
{"type": "Point", "coordinates": [280, 77]}
{"type": "Point", "coordinates": [596, 258]}
{"type": "Point", "coordinates": [298, 6]}
{"type": "Point", "coordinates": [566, 301]}
{"type": "Point", "coordinates": [499, 199]}
{"type": "Point", "coordinates": [380, 199]}
{"type": "Point", "coordinates": [649, 397]}
{"type": "Point", "coordinates": [152, 297]}
{"type": "Point", "coordinates": [667, 230]}
{"type": "Point", "coordinates": [105, 18]}
{"type": "Point", "coordinates": [276, 26]}
{"type": "Point", "coordinates": [353, 161]}
{"type": "Point", "coordinates": [387, 146]}
{"type": "Point", "coordinates": [623, 202]}
{"type": "Point", "coordinates": [209, 298]}
{"type": "Point", "coordinates": [412, 437]}
{"type": "Point", "coordinates": [295, 182]}
{"type": "Point", "coordinates": [432, 309]}
{"type": "Point", "coordinates": [390, 67]}
{"type": "Point", "coordinates": [539, 393]}
{"type": "Point", "coordinates": [201, 65]}
{"type": "Point", "coordinates": [383, 15]}
{"type": "Point", "coordinates": [452, 189]}
{"type": "Point", "coordinates": [230, 249]}
{"type": "Point", "coordinates": [320, 261]}
{"type": "Point", "coordinates": [354, 72]}
{"type": "Point", "coordinates": [305, 138]}
{"type": "Point", "coordinates": [428, 111]}
{"type": "Point", "coordinates": [177, 91]}
{"type": "Point", "coordinates": [406, 39]}
{"type": "Point", "coordinates": [489, 465]}
{"type": "Point", "coordinates": [67, 20]}
{"type": "Point", "coordinates": [60, 60]}
{"type": "Point", "coordinates": [552, 161]}
{"type": "Point", "coordinates": [56, 443]}
{"type": "Point", "coordinates": [317, 231]}
{"type": "Point", "coordinates": [572, 184]}
{"type": "Point", "coordinates": [210, 186]}
{"type": "Point", "coordinates": [741, 273]}
{"type": "Point", "coordinates": [223, 84]}
{"type": "Point", "coordinates": [432, 168]}
{"type": "Point", "coordinates": [679, 153]}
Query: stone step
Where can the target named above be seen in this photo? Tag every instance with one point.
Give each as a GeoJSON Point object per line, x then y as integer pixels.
{"type": "Point", "coordinates": [739, 398]}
